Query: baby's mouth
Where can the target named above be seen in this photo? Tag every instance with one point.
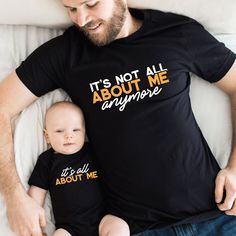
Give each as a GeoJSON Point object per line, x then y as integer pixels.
{"type": "Point", "coordinates": [68, 144]}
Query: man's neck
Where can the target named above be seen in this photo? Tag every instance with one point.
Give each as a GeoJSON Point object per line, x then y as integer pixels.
{"type": "Point", "coordinates": [131, 25]}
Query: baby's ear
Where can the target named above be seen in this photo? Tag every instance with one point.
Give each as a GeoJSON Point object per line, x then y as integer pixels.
{"type": "Point", "coordinates": [45, 132]}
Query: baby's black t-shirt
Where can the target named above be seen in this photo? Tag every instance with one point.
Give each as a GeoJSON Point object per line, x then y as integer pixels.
{"type": "Point", "coordinates": [72, 181]}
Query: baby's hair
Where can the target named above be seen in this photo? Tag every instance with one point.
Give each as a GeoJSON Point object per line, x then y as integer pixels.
{"type": "Point", "coordinates": [63, 103]}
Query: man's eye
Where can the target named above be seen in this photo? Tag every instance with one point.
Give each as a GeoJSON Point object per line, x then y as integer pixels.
{"type": "Point", "coordinates": [72, 9]}
{"type": "Point", "coordinates": [92, 4]}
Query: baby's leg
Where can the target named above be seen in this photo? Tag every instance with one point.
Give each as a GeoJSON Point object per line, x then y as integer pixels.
{"type": "Point", "coordinates": [113, 226]}
{"type": "Point", "coordinates": [61, 232]}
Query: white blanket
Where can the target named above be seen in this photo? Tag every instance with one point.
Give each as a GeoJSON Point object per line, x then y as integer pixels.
{"type": "Point", "coordinates": [210, 106]}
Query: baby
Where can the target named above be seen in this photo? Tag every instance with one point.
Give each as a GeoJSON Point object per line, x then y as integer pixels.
{"type": "Point", "coordinates": [69, 172]}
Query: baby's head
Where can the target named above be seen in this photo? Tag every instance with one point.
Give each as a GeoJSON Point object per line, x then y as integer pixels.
{"type": "Point", "coordinates": [65, 127]}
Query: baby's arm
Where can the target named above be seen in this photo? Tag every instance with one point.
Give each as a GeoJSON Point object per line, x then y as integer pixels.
{"type": "Point", "coordinates": [38, 194]}
{"type": "Point", "coordinates": [111, 225]}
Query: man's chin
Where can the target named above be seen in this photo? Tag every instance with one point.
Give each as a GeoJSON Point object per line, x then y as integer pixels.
{"type": "Point", "coordinates": [101, 36]}
{"type": "Point", "coordinates": [98, 41]}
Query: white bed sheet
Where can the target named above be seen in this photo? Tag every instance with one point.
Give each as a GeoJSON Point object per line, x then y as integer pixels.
{"type": "Point", "coordinates": [210, 106]}
{"type": "Point", "coordinates": [16, 43]}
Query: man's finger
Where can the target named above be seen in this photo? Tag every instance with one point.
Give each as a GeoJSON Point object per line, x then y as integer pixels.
{"type": "Point", "coordinates": [228, 202]}
{"type": "Point", "coordinates": [232, 211]}
{"type": "Point", "coordinates": [219, 188]}
{"type": "Point", "coordinates": [42, 219]}
{"type": "Point", "coordinates": [37, 231]}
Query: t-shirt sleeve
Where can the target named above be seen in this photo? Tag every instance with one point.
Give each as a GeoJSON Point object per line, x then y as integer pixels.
{"type": "Point", "coordinates": [40, 174]}
{"type": "Point", "coordinates": [44, 69]}
{"type": "Point", "coordinates": [206, 56]}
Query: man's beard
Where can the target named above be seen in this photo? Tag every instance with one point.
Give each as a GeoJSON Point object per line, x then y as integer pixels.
{"type": "Point", "coordinates": [111, 27]}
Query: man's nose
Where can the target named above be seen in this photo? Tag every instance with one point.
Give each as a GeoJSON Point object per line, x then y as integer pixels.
{"type": "Point", "coordinates": [82, 18]}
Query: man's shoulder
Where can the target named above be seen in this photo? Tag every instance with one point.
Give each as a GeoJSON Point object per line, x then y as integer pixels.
{"type": "Point", "coordinates": [61, 41]}
{"type": "Point", "coordinates": [169, 19]}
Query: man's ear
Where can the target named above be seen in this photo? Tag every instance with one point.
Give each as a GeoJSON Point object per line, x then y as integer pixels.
{"type": "Point", "coordinates": [45, 132]}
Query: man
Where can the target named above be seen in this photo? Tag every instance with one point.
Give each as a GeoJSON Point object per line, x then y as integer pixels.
{"type": "Point", "coordinates": [129, 72]}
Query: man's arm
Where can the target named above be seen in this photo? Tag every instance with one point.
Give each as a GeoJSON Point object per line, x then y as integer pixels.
{"type": "Point", "coordinates": [226, 178]}
{"type": "Point", "coordinates": [38, 194]}
{"type": "Point", "coordinates": [24, 214]}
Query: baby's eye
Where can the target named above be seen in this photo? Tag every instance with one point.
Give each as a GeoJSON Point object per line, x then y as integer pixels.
{"type": "Point", "coordinates": [59, 131]}
{"type": "Point", "coordinates": [76, 130]}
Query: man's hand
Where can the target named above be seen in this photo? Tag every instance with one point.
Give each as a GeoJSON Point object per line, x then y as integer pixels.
{"type": "Point", "coordinates": [226, 185]}
{"type": "Point", "coordinates": [25, 216]}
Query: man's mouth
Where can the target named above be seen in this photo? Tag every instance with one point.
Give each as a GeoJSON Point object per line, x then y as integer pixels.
{"type": "Point", "coordinates": [93, 27]}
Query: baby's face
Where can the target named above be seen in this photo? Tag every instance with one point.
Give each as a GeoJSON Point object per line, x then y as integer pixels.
{"type": "Point", "coordinates": [65, 130]}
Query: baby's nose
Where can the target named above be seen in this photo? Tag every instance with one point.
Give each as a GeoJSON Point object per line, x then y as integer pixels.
{"type": "Point", "coordinates": [68, 135]}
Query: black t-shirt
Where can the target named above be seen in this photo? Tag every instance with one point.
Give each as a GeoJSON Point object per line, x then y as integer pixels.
{"type": "Point", "coordinates": [156, 166]}
{"type": "Point", "coordinates": [75, 193]}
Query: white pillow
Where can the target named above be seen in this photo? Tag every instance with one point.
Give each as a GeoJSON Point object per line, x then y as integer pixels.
{"type": "Point", "coordinates": [218, 16]}
{"type": "Point", "coordinates": [45, 13]}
